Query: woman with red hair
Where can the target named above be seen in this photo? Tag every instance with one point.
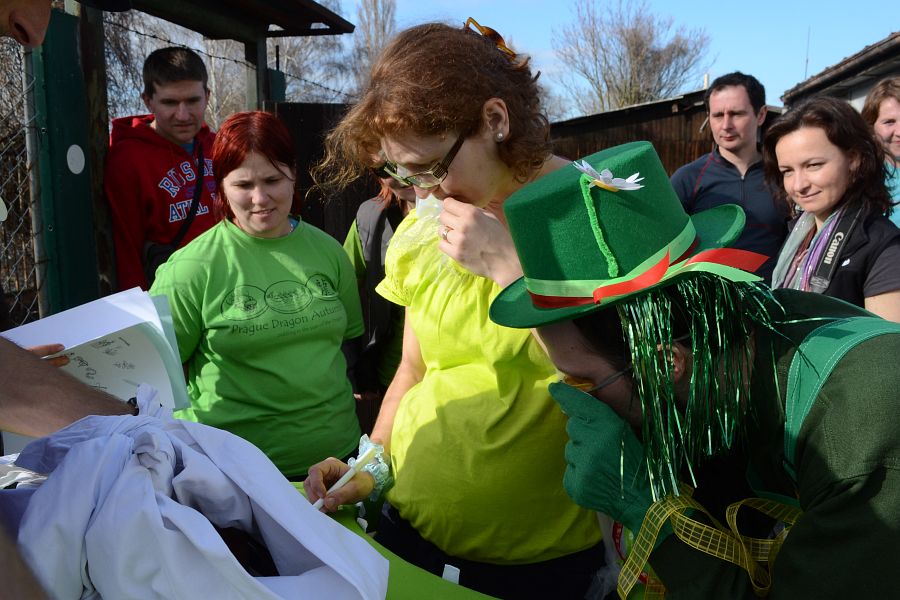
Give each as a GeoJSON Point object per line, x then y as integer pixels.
{"type": "Point", "coordinates": [262, 303]}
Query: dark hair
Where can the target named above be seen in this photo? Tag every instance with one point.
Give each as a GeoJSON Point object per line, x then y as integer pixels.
{"type": "Point", "coordinates": [846, 129]}
{"type": "Point", "coordinates": [170, 65]}
{"type": "Point", "coordinates": [602, 329]}
{"type": "Point", "coordinates": [884, 89]}
{"type": "Point", "coordinates": [241, 134]}
{"type": "Point", "coordinates": [433, 79]}
{"type": "Point", "coordinates": [755, 90]}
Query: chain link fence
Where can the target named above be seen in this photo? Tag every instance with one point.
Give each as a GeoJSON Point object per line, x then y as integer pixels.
{"type": "Point", "coordinates": [18, 268]}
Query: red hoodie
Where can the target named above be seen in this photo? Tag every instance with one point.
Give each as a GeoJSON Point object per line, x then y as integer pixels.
{"type": "Point", "coordinates": [149, 184]}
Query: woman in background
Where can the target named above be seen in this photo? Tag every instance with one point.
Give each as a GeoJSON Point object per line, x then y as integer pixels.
{"type": "Point", "coordinates": [822, 157]}
{"type": "Point", "coordinates": [882, 112]}
{"type": "Point", "coordinates": [366, 245]}
{"type": "Point", "coordinates": [262, 303]}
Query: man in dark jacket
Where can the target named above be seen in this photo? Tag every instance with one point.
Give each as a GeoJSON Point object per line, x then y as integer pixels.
{"type": "Point", "coordinates": [733, 172]}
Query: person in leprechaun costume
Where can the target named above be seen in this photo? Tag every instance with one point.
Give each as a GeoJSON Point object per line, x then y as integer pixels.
{"type": "Point", "coordinates": [749, 438]}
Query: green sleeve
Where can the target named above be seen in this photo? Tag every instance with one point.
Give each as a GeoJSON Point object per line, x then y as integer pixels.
{"type": "Point", "coordinates": [348, 290]}
{"type": "Point", "coordinates": [401, 264]}
{"type": "Point", "coordinates": [177, 280]}
{"type": "Point", "coordinates": [354, 249]}
{"type": "Point", "coordinates": [846, 542]}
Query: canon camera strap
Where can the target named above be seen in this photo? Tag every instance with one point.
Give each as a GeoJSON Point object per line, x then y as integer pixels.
{"type": "Point", "coordinates": [837, 241]}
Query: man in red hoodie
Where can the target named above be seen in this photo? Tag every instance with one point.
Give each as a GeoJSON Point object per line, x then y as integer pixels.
{"type": "Point", "coordinates": [153, 173]}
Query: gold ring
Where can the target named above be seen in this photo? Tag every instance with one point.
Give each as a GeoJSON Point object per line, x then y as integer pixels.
{"type": "Point", "coordinates": [444, 232]}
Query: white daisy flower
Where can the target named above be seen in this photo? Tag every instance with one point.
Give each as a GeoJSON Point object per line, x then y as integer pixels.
{"type": "Point", "coordinates": [605, 179]}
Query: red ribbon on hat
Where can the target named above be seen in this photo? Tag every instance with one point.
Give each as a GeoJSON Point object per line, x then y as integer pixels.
{"type": "Point", "coordinates": [731, 257]}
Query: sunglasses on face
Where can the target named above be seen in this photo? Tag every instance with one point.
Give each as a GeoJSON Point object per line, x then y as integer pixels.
{"type": "Point", "coordinates": [429, 178]}
{"type": "Point", "coordinates": [589, 386]}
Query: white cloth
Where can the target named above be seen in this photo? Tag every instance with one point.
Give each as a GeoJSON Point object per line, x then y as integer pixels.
{"type": "Point", "coordinates": [126, 512]}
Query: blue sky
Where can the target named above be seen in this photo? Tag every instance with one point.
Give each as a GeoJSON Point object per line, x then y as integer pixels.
{"type": "Point", "coordinates": [765, 39]}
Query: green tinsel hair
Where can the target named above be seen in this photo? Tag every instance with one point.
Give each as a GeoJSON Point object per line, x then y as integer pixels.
{"type": "Point", "coordinates": [716, 318]}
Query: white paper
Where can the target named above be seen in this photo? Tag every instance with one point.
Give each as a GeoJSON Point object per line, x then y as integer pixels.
{"type": "Point", "coordinates": [89, 321]}
{"type": "Point", "coordinates": [113, 344]}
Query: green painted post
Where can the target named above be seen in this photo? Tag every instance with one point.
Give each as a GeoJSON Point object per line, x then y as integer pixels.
{"type": "Point", "coordinates": [65, 202]}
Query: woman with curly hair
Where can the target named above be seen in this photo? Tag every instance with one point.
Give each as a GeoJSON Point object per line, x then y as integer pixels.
{"type": "Point", "coordinates": [475, 442]}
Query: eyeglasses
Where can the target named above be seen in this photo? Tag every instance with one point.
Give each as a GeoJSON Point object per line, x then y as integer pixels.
{"type": "Point", "coordinates": [490, 34]}
{"type": "Point", "coordinates": [381, 172]}
{"type": "Point", "coordinates": [588, 386]}
{"type": "Point", "coordinates": [433, 177]}
{"type": "Point", "coordinates": [389, 172]}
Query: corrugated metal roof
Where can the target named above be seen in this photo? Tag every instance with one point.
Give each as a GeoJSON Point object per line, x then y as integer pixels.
{"type": "Point", "coordinates": [871, 63]}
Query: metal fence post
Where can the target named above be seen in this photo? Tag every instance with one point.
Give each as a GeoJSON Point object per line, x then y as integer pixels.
{"type": "Point", "coordinates": [18, 303]}
{"type": "Point", "coordinates": [32, 165]}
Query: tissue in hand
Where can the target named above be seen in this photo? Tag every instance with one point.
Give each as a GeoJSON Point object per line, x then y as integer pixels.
{"type": "Point", "coordinates": [429, 207]}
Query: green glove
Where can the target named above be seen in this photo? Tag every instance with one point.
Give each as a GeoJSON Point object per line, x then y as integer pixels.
{"type": "Point", "coordinates": [606, 470]}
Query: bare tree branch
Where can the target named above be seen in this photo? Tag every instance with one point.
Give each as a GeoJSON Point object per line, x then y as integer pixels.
{"type": "Point", "coordinates": [227, 81]}
{"type": "Point", "coordinates": [376, 26]}
{"type": "Point", "coordinates": [125, 54]}
{"type": "Point", "coordinates": [625, 55]}
{"type": "Point", "coordinates": [316, 67]}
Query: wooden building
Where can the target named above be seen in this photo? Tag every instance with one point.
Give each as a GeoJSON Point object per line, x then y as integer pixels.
{"type": "Point", "coordinates": [675, 126]}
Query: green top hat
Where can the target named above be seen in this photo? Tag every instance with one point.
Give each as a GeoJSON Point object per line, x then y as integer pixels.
{"type": "Point", "coordinates": [603, 229]}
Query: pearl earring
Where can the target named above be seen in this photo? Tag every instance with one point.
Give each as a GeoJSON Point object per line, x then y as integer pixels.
{"type": "Point", "coordinates": [499, 136]}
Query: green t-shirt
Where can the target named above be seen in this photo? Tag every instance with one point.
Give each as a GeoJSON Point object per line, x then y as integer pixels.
{"type": "Point", "coordinates": [477, 446]}
{"type": "Point", "coordinates": [260, 324]}
{"type": "Point", "coordinates": [392, 350]}
{"type": "Point", "coordinates": [353, 248]}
